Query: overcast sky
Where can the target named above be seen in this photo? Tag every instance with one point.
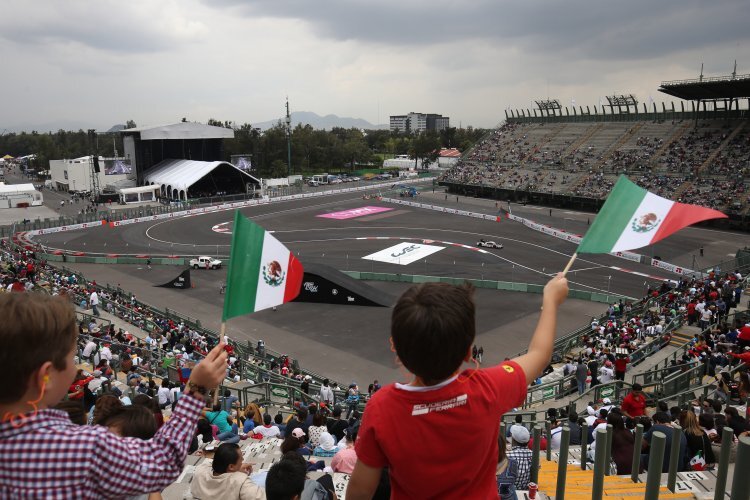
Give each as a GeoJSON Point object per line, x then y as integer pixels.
{"type": "Point", "coordinates": [86, 63]}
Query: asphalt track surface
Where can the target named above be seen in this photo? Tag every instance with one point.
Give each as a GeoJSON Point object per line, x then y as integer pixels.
{"type": "Point", "coordinates": [351, 343]}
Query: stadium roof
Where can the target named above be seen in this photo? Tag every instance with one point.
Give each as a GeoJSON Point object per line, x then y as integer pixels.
{"type": "Point", "coordinates": [181, 130]}
{"type": "Point", "coordinates": [719, 87]}
{"type": "Point", "coordinates": [181, 174]}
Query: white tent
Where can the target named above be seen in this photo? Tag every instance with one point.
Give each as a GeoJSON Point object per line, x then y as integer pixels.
{"type": "Point", "coordinates": [177, 176]}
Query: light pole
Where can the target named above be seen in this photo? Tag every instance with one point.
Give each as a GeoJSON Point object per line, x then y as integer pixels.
{"type": "Point", "coordinates": [288, 139]}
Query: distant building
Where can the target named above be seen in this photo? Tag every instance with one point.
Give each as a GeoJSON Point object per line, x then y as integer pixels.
{"type": "Point", "coordinates": [75, 175]}
{"type": "Point", "coordinates": [19, 196]}
{"type": "Point", "coordinates": [419, 122]}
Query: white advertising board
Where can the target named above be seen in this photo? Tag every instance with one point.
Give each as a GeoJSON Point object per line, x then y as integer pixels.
{"type": "Point", "coordinates": [403, 253]}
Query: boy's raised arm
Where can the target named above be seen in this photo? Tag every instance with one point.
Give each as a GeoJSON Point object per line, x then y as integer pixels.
{"type": "Point", "coordinates": [540, 348]}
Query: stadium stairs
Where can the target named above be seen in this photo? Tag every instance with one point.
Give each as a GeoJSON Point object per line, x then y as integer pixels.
{"type": "Point", "coordinates": [717, 151]}
{"type": "Point", "coordinates": [579, 483]}
{"type": "Point", "coordinates": [617, 145]}
{"type": "Point", "coordinates": [668, 143]}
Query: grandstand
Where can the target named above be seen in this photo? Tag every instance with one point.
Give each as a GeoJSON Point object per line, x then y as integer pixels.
{"type": "Point", "coordinates": [698, 153]}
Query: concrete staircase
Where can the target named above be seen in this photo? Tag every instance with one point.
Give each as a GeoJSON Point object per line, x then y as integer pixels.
{"type": "Point", "coordinates": [715, 154]}
{"type": "Point", "coordinates": [582, 140]}
{"type": "Point", "coordinates": [670, 140]}
{"type": "Point", "coordinates": [617, 145]}
{"type": "Point", "coordinates": [578, 482]}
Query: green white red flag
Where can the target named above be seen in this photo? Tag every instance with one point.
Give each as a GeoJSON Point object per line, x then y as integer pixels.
{"type": "Point", "coordinates": [262, 272]}
{"type": "Point", "coordinates": [633, 218]}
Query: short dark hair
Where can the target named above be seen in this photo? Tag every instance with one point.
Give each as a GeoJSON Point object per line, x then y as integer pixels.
{"type": "Point", "coordinates": [637, 387]}
{"type": "Point", "coordinates": [36, 328]}
{"type": "Point", "coordinates": [74, 409]}
{"type": "Point", "coordinates": [279, 418]}
{"type": "Point", "coordinates": [301, 413]}
{"type": "Point", "coordinates": [267, 419]}
{"type": "Point", "coordinates": [132, 421]}
{"type": "Point", "coordinates": [290, 443]}
{"type": "Point", "coordinates": [319, 419]}
{"type": "Point", "coordinates": [285, 479]}
{"type": "Point", "coordinates": [433, 327]}
{"type": "Point", "coordinates": [337, 411]}
{"type": "Point", "coordinates": [226, 454]}
{"type": "Point", "coordinates": [661, 417]}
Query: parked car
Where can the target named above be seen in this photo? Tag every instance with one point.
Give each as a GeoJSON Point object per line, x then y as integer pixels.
{"type": "Point", "coordinates": [204, 262]}
{"type": "Point", "coordinates": [489, 244]}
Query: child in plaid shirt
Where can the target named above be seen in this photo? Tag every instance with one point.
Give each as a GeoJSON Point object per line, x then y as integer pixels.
{"type": "Point", "coordinates": [43, 454]}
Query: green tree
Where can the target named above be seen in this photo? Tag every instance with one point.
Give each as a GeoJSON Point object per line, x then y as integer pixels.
{"type": "Point", "coordinates": [278, 169]}
{"type": "Point", "coordinates": [425, 147]}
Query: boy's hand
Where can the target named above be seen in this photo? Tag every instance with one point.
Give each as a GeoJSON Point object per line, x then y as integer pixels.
{"type": "Point", "coordinates": [556, 290]}
{"type": "Point", "coordinates": [212, 370]}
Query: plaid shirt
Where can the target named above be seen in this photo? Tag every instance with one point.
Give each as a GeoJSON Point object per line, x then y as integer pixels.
{"type": "Point", "coordinates": [522, 456]}
{"type": "Point", "coordinates": [50, 457]}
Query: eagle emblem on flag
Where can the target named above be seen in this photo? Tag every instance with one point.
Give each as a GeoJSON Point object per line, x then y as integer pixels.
{"type": "Point", "coordinates": [273, 274]}
{"type": "Point", "coordinates": [645, 223]}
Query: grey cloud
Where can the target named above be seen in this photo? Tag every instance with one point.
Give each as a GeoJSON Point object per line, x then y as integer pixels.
{"type": "Point", "coordinates": [590, 29]}
{"type": "Point", "coordinates": [119, 30]}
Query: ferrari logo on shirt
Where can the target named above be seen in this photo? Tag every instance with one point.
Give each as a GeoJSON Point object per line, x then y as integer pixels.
{"type": "Point", "coordinates": [508, 368]}
{"type": "Point", "coordinates": [440, 405]}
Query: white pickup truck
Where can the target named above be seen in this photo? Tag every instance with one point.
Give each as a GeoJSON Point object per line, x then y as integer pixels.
{"type": "Point", "coordinates": [204, 262]}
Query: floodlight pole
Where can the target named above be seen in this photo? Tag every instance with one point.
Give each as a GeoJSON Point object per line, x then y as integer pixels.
{"type": "Point", "coordinates": [288, 139]}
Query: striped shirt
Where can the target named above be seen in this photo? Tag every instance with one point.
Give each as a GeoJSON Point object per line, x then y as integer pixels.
{"type": "Point", "coordinates": [49, 457]}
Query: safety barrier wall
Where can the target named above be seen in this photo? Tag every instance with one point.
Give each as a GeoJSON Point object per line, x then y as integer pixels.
{"type": "Point", "coordinates": [554, 232]}
{"type": "Point", "coordinates": [218, 208]}
{"type": "Point", "coordinates": [493, 285]}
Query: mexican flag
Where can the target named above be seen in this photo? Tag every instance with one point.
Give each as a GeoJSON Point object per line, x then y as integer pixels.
{"type": "Point", "coordinates": [262, 272]}
{"type": "Point", "coordinates": [633, 218]}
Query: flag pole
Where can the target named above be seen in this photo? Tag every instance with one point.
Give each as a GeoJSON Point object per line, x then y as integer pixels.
{"type": "Point", "coordinates": [570, 263]}
{"type": "Point", "coordinates": [222, 330]}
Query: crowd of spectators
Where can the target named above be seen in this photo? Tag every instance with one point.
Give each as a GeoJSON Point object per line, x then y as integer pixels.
{"type": "Point", "coordinates": [509, 158]}
{"type": "Point", "coordinates": [321, 430]}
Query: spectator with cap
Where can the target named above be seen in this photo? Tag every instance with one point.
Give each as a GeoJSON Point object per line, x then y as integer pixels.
{"type": "Point", "coordinates": [226, 476]}
{"type": "Point", "coordinates": [521, 454]}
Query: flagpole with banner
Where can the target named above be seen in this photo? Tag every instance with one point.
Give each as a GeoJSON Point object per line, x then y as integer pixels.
{"type": "Point", "coordinates": [633, 217]}
{"type": "Point", "coordinates": [262, 272]}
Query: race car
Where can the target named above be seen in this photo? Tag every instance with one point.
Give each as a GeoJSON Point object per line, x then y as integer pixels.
{"type": "Point", "coordinates": [204, 262]}
{"type": "Point", "coordinates": [488, 244]}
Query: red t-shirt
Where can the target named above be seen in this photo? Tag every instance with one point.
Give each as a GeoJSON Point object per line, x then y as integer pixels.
{"type": "Point", "coordinates": [744, 333]}
{"type": "Point", "coordinates": [634, 406]}
{"type": "Point", "coordinates": [621, 364]}
{"type": "Point", "coordinates": [441, 443]}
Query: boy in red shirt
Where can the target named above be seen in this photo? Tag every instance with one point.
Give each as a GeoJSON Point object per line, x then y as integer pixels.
{"type": "Point", "coordinates": [405, 427]}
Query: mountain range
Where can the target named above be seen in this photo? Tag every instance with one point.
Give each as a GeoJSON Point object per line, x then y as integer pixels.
{"type": "Point", "coordinates": [305, 117]}
{"type": "Point", "coordinates": [321, 122]}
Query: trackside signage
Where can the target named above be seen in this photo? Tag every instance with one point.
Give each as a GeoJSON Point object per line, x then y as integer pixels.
{"type": "Point", "coordinates": [404, 253]}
